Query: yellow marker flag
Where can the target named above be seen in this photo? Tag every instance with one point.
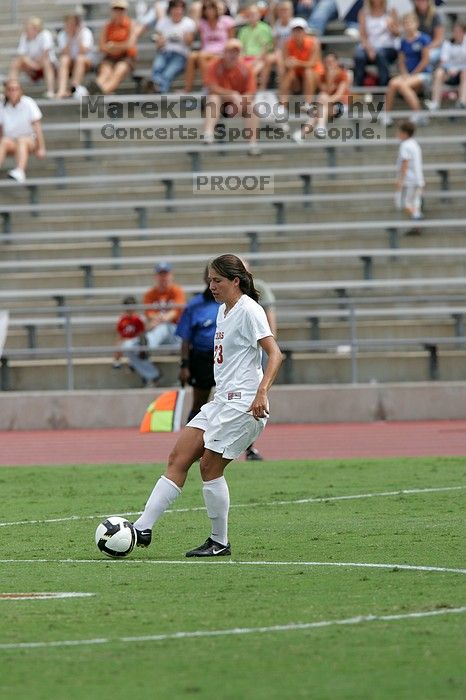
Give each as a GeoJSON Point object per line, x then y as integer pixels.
{"type": "Point", "coordinates": [164, 414]}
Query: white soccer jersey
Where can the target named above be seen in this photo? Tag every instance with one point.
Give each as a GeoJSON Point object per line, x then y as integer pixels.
{"type": "Point", "coordinates": [237, 353]}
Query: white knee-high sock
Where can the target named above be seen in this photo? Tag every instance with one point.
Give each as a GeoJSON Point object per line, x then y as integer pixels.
{"type": "Point", "coordinates": [161, 498]}
{"type": "Point", "coordinates": [217, 501]}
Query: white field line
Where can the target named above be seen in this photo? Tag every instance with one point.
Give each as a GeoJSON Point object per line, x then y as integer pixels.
{"type": "Point", "coordinates": [43, 596]}
{"type": "Point", "coordinates": [291, 627]}
{"type": "Point", "coordinates": [220, 562]}
{"type": "Point", "coordinates": [300, 501]}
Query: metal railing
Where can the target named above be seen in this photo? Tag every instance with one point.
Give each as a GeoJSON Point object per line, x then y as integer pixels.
{"type": "Point", "coordinates": [347, 310]}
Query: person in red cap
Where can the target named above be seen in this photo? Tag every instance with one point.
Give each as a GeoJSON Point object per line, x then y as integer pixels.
{"type": "Point", "coordinates": [232, 88]}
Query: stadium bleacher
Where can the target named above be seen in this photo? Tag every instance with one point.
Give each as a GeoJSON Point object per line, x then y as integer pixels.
{"type": "Point", "coordinates": [92, 218]}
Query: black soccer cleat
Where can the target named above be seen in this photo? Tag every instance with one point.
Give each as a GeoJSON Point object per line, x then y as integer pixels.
{"type": "Point", "coordinates": [252, 455]}
{"type": "Point", "coordinates": [143, 537]}
{"type": "Point", "coordinates": [210, 548]}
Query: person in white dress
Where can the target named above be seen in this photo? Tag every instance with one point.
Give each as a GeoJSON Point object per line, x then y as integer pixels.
{"type": "Point", "coordinates": [236, 416]}
{"type": "Point", "coordinates": [20, 129]}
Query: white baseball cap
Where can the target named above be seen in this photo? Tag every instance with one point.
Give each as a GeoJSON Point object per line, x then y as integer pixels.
{"type": "Point", "coordinates": [299, 23]}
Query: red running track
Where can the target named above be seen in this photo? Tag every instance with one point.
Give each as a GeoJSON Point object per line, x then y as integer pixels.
{"type": "Point", "coordinates": [323, 441]}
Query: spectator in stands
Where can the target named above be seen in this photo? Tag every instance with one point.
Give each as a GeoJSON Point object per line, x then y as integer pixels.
{"type": "Point", "coordinates": [174, 35]}
{"type": "Point", "coordinates": [130, 325]}
{"type": "Point", "coordinates": [378, 29]}
{"type": "Point", "coordinates": [229, 7]}
{"type": "Point", "coordinates": [168, 300]}
{"type": "Point", "coordinates": [281, 32]}
{"type": "Point", "coordinates": [147, 19]}
{"type": "Point", "coordinates": [332, 99]}
{"type": "Point", "coordinates": [431, 23]}
{"type": "Point", "coordinates": [410, 179]}
{"type": "Point", "coordinates": [36, 55]}
{"type": "Point", "coordinates": [20, 129]}
{"type": "Point", "coordinates": [303, 65]}
{"type": "Point", "coordinates": [256, 40]}
{"type": "Point", "coordinates": [414, 65]}
{"type": "Point", "coordinates": [320, 12]}
{"type": "Point", "coordinates": [118, 46]}
{"type": "Point", "coordinates": [232, 89]}
{"type": "Point", "coordinates": [214, 29]}
{"type": "Point", "coordinates": [76, 56]}
{"type": "Point", "coordinates": [452, 69]}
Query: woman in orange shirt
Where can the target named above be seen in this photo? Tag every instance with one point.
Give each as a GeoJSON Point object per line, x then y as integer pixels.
{"type": "Point", "coordinates": [303, 65]}
{"type": "Point", "coordinates": [332, 99]}
{"type": "Point", "coordinates": [118, 46]}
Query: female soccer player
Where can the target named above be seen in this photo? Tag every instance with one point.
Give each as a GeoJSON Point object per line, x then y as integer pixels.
{"type": "Point", "coordinates": [224, 427]}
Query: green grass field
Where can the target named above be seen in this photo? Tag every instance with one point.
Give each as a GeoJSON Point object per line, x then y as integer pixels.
{"type": "Point", "coordinates": [158, 593]}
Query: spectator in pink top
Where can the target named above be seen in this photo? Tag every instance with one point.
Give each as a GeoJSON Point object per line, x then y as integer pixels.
{"type": "Point", "coordinates": [214, 30]}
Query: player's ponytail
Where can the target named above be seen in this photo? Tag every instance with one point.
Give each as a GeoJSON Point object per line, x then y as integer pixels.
{"type": "Point", "coordinates": [230, 266]}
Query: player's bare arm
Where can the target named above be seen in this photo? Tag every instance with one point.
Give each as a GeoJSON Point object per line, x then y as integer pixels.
{"type": "Point", "coordinates": [260, 406]}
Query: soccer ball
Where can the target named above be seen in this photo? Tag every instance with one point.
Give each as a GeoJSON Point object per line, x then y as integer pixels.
{"type": "Point", "coordinates": [115, 536]}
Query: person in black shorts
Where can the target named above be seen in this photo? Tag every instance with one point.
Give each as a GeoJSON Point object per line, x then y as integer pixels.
{"type": "Point", "coordinates": [196, 328]}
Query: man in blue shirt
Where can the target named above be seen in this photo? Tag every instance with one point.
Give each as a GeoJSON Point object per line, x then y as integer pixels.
{"type": "Point", "coordinates": [196, 328]}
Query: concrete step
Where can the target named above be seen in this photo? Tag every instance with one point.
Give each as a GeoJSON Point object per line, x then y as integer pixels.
{"type": "Point", "coordinates": [212, 216]}
{"type": "Point", "coordinates": [100, 192]}
{"type": "Point", "coordinates": [317, 368]}
{"type": "Point", "coordinates": [308, 368]}
{"type": "Point", "coordinates": [166, 247]}
{"type": "Point", "coordinates": [286, 270]}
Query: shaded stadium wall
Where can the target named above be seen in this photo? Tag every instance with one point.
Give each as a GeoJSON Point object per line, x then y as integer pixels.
{"type": "Point", "coordinates": [289, 404]}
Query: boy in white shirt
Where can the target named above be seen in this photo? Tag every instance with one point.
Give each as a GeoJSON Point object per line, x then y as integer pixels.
{"type": "Point", "coordinates": [410, 180]}
{"type": "Point", "coordinates": [36, 55]}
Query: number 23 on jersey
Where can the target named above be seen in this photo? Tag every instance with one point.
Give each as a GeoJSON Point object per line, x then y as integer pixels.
{"type": "Point", "coordinates": [218, 354]}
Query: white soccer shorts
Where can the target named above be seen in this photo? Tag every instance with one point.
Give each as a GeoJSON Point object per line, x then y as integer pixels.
{"type": "Point", "coordinates": [410, 197]}
{"type": "Point", "coordinates": [227, 430]}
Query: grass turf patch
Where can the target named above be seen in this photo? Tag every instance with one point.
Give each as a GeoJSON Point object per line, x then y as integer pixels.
{"type": "Point", "coordinates": [409, 658]}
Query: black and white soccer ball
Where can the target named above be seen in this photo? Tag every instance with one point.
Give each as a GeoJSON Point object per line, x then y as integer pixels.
{"type": "Point", "coordinates": [115, 536]}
